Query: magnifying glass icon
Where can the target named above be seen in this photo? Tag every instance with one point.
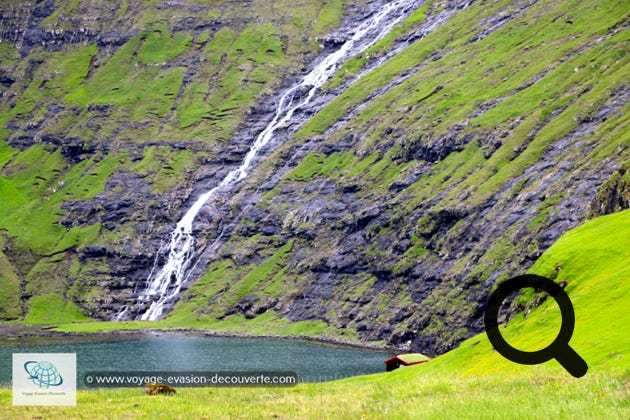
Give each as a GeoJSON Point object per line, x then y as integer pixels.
{"type": "Point", "coordinates": [559, 349]}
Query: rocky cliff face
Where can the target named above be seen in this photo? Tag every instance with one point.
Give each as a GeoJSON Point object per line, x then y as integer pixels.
{"type": "Point", "coordinates": [112, 114]}
{"type": "Point", "coordinates": [488, 132]}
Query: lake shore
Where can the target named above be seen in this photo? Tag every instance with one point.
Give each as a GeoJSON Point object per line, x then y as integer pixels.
{"type": "Point", "coordinates": [43, 334]}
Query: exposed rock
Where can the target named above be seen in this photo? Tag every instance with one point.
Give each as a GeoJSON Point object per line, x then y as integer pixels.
{"type": "Point", "coordinates": [6, 80]}
{"type": "Point", "coordinates": [332, 41]}
{"type": "Point", "coordinates": [613, 196]}
{"type": "Point", "coordinates": [428, 150]}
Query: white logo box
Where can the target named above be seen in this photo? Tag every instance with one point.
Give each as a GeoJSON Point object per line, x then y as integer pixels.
{"type": "Point", "coordinates": [44, 379]}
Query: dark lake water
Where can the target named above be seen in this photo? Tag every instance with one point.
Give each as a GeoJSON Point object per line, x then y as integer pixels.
{"type": "Point", "coordinates": [311, 361]}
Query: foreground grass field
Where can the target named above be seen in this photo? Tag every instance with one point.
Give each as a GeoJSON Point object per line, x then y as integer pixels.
{"type": "Point", "coordinates": [417, 393]}
{"type": "Point", "coordinates": [472, 381]}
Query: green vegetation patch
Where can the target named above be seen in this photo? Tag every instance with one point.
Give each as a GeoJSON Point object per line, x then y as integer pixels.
{"type": "Point", "coordinates": [33, 186]}
{"type": "Point", "coordinates": [262, 273]}
{"type": "Point", "coordinates": [10, 292]}
{"type": "Point", "coordinates": [165, 168]}
{"type": "Point", "coordinates": [68, 70]}
{"type": "Point", "coordinates": [241, 64]}
{"type": "Point", "coordinates": [329, 17]}
{"type": "Point", "coordinates": [134, 78]}
{"type": "Point", "coordinates": [318, 165]}
{"type": "Point", "coordinates": [160, 46]}
{"type": "Point", "coordinates": [49, 308]}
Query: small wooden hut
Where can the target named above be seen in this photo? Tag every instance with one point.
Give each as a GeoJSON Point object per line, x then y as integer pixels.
{"type": "Point", "coordinates": [405, 360]}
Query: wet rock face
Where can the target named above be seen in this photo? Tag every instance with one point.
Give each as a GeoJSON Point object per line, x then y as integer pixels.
{"type": "Point", "coordinates": [133, 212]}
{"type": "Point", "coordinates": [417, 273]}
{"type": "Point", "coordinates": [613, 196]}
{"type": "Point", "coordinates": [21, 26]}
{"type": "Point", "coordinates": [25, 26]}
{"type": "Point", "coordinates": [333, 41]}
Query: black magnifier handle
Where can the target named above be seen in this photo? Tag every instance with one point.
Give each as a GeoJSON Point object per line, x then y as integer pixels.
{"type": "Point", "coordinates": [571, 361]}
{"type": "Point", "coordinates": [559, 349]}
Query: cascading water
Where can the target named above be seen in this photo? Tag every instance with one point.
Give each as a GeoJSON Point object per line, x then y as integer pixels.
{"type": "Point", "coordinates": [165, 283]}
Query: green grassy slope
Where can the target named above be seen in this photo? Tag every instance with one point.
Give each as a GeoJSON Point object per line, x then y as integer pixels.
{"type": "Point", "coordinates": [472, 381]}
{"type": "Point", "coordinates": [595, 260]}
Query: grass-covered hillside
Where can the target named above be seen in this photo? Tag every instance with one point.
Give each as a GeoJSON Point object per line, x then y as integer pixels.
{"type": "Point", "coordinates": [489, 130]}
{"type": "Point", "coordinates": [472, 381]}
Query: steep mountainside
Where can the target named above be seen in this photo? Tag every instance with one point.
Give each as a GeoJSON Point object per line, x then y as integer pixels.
{"type": "Point", "coordinates": [111, 114]}
{"type": "Point", "coordinates": [490, 129]}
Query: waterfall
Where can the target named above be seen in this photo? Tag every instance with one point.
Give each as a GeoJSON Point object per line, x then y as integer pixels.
{"type": "Point", "coordinates": [165, 282]}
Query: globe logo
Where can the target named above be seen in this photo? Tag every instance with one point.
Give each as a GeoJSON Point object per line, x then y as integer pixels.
{"type": "Point", "coordinates": [43, 374]}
